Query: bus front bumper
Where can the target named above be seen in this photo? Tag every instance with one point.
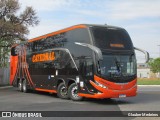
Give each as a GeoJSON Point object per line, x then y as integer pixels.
{"type": "Point", "coordinates": [111, 90]}
{"type": "Point", "coordinates": [112, 93]}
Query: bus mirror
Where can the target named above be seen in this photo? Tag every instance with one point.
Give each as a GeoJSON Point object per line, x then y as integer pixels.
{"type": "Point", "coordinates": [145, 52]}
{"type": "Point", "coordinates": [95, 49]}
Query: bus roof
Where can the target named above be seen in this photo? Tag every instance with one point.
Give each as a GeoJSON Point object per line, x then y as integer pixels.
{"type": "Point", "coordinates": [71, 28]}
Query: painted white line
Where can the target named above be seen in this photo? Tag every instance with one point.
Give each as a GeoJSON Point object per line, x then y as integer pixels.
{"type": "Point", "coordinates": [75, 102]}
{"type": "Point", "coordinates": [5, 87]}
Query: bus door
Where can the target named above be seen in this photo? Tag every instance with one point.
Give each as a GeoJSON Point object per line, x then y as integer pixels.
{"type": "Point", "coordinates": [87, 70]}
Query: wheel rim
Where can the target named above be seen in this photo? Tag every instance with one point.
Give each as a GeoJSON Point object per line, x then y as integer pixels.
{"type": "Point", "coordinates": [20, 86]}
{"type": "Point", "coordinates": [74, 92]}
{"type": "Point", "coordinates": [63, 91]}
{"type": "Point", "coordinates": [24, 86]}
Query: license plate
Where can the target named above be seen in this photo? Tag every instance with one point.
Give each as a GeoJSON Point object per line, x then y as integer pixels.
{"type": "Point", "coordinates": [122, 96]}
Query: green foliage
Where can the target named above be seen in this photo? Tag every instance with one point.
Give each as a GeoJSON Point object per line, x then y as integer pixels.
{"type": "Point", "coordinates": [13, 27]}
{"type": "Point", "coordinates": [155, 65]}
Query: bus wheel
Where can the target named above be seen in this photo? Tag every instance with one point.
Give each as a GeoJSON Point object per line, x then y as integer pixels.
{"type": "Point", "coordinates": [72, 91]}
{"type": "Point", "coordinates": [24, 86]}
{"type": "Point", "coordinates": [20, 85]}
{"type": "Point", "coordinates": [62, 91]}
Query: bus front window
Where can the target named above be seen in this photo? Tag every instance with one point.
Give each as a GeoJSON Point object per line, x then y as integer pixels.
{"type": "Point", "coordinates": [118, 65]}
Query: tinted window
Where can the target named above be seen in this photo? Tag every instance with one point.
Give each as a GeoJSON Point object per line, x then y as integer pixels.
{"type": "Point", "coordinates": [61, 40]}
{"type": "Point", "coordinates": [78, 35]}
{"type": "Point", "coordinates": [118, 65]}
{"type": "Point", "coordinates": [55, 41]}
{"type": "Point", "coordinates": [112, 38]}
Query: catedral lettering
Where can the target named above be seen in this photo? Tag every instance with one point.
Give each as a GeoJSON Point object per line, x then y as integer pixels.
{"type": "Point", "coordinates": [82, 61]}
{"type": "Point", "coordinates": [43, 57]}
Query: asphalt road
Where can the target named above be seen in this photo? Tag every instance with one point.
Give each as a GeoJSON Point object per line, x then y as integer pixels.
{"type": "Point", "coordinates": [148, 99]}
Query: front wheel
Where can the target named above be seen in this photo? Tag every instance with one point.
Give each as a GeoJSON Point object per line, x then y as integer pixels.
{"type": "Point", "coordinates": [73, 92]}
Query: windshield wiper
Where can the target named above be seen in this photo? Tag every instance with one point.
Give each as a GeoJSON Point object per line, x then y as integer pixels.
{"type": "Point", "coordinates": [118, 66]}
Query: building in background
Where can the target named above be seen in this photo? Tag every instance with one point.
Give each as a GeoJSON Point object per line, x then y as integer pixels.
{"type": "Point", "coordinates": [143, 71]}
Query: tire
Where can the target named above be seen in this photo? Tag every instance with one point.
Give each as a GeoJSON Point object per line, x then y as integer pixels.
{"type": "Point", "coordinates": [24, 86]}
{"type": "Point", "coordinates": [62, 91]}
{"type": "Point", "coordinates": [20, 85]}
{"type": "Point", "coordinates": [72, 92]}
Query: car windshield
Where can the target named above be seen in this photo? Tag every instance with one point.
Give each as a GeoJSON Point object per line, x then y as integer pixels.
{"type": "Point", "coordinates": [118, 65]}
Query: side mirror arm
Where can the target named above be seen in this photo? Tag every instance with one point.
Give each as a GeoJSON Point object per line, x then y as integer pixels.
{"type": "Point", "coordinates": [94, 48]}
{"type": "Point", "coordinates": [145, 52]}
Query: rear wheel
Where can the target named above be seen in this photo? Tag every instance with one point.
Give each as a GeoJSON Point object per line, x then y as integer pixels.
{"type": "Point", "coordinates": [24, 86]}
{"type": "Point", "coordinates": [73, 92]}
{"type": "Point", "coordinates": [20, 85]}
{"type": "Point", "coordinates": [62, 91]}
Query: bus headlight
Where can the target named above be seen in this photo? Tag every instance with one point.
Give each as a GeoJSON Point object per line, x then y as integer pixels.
{"type": "Point", "coordinates": [99, 84]}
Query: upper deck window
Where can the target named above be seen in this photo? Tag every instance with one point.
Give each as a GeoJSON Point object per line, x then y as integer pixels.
{"type": "Point", "coordinates": [111, 38]}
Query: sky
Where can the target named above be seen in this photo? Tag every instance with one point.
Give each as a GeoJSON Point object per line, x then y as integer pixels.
{"type": "Point", "coordinates": [141, 18]}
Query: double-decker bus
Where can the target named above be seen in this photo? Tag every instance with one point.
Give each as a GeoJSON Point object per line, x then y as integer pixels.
{"type": "Point", "coordinates": [91, 61]}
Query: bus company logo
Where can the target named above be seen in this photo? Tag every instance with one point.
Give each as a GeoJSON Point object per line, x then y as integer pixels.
{"type": "Point", "coordinates": [43, 57]}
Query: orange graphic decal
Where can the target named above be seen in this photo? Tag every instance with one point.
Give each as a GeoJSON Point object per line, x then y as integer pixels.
{"type": "Point", "coordinates": [43, 57]}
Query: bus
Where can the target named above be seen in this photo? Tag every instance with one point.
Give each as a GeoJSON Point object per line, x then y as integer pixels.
{"type": "Point", "coordinates": [82, 61]}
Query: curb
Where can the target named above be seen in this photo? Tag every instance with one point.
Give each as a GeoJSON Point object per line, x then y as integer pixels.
{"type": "Point", "coordinates": [5, 87]}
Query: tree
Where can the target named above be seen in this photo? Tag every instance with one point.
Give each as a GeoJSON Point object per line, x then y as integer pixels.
{"type": "Point", "coordinates": [155, 65]}
{"type": "Point", "coordinates": [13, 26]}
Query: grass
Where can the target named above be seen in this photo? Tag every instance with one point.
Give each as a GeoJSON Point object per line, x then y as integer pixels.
{"type": "Point", "coordinates": [148, 81]}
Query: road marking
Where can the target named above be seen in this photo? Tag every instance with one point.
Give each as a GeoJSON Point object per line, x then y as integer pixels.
{"type": "Point", "coordinates": [5, 87]}
{"type": "Point", "coordinates": [74, 102]}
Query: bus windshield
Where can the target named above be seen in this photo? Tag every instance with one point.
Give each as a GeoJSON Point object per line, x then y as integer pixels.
{"type": "Point", "coordinates": [118, 65]}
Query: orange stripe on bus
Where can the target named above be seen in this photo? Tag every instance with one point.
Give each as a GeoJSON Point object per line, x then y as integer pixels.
{"type": "Point", "coordinates": [58, 32]}
{"type": "Point", "coordinates": [28, 74]}
{"type": "Point", "coordinates": [25, 66]}
{"type": "Point", "coordinates": [22, 62]}
{"type": "Point", "coordinates": [46, 90]}
{"type": "Point", "coordinates": [13, 67]}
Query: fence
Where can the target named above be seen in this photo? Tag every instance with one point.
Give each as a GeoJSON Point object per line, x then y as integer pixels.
{"type": "Point", "coordinates": [4, 76]}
